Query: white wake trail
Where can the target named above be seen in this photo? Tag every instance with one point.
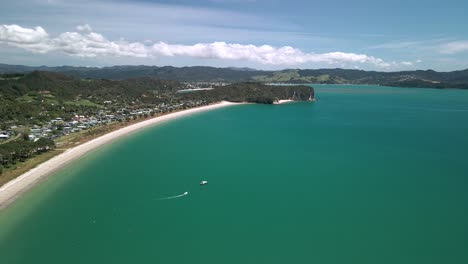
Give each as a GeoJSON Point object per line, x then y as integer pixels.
{"type": "Point", "coordinates": [173, 197]}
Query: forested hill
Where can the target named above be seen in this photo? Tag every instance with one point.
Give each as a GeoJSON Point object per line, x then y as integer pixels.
{"type": "Point", "coordinates": [40, 96]}
{"type": "Point", "coordinates": [68, 88]}
{"type": "Point", "coordinates": [254, 93]}
{"type": "Point", "coordinates": [65, 87]}
{"type": "Point", "coordinates": [427, 78]}
{"type": "Point", "coordinates": [196, 73]}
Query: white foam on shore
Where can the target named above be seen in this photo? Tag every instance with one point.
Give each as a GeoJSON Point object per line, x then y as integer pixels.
{"type": "Point", "coordinates": [14, 188]}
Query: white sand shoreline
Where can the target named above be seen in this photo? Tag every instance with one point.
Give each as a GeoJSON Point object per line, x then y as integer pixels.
{"type": "Point", "coordinates": [283, 101]}
{"type": "Point", "coordinates": [14, 188]}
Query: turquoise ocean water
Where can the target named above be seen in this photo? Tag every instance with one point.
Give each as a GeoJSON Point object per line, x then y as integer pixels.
{"type": "Point", "coordinates": [364, 175]}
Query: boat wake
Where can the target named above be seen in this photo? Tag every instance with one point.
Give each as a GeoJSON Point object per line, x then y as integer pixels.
{"type": "Point", "coordinates": [173, 197]}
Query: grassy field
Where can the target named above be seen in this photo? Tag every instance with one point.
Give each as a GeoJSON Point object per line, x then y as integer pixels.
{"type": "Point", "coordinates": [291, 76]}
{"type": "Point", "coordinates": [323, 78]}
{"type": "Point", "coordinates": [33, 97]}
{"type": "Point", "coordinates": [50, 99]}
{"type": "Point", "coordinates": [26, 98]}
{"type": "Point", "coordinates": [83, 102]}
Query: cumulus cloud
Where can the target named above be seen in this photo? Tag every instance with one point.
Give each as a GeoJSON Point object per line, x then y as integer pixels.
{"type": "Point", "coordinates": [454, 47]}
{"type": "Point", "coordinates": [20, 35]}
{"type": "Point", "coordinates": [265, 54]}
{"type": "Point", "coordinates": [86, 43]}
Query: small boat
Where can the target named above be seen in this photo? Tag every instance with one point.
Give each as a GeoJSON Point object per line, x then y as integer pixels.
{"type": "Point", "coordinates": [203, 182]}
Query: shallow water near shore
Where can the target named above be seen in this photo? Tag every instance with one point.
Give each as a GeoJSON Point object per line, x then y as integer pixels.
{"type": "Point", "coordinates": [364, 175]}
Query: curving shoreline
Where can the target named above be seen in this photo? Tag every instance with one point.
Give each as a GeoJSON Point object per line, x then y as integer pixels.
{"type": "Point", "coordinates": [14, 188]}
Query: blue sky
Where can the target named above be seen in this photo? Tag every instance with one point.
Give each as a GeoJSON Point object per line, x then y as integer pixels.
{"type": "Point", "coordinates": [263, 34]}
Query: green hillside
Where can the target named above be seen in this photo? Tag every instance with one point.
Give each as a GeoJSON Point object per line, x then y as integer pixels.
{"type": "Point", "coordinates": [427, 78]}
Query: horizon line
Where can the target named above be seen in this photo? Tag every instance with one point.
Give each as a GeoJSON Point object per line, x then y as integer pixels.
{"type": "Point", "coordinates": [227, 67]}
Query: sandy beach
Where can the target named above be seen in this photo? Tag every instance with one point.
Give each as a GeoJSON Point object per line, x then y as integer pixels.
{"type": "Point", "coordinates": [14, 188]}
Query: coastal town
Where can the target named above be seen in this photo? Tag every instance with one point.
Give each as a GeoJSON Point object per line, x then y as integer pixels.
{"type": "Point", "coordinates": [59, 126]}
{"type": "Point", "coordinates": [23, 138]}
{"type": "Point", "coordinates": [111, 112]}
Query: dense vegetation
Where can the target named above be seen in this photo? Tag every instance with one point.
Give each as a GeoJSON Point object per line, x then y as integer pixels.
{"type": "Point", "coordinates": [253, 93]}
{"type": "Point", "coordinates": [20, 150]}
{"type": "Point", "coordinates": [196, 73]}
{"type": "Point", "coordinates": [428, 78]}
{"type": "Point", "coordinates": [40, 96]}
{"type": "Point", "coordinates": [36, 97]}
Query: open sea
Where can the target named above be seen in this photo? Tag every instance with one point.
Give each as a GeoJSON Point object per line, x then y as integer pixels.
{"type": "Point", "coordinates": [365, 175]}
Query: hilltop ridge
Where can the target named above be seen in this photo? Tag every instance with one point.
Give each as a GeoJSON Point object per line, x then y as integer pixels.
{"type": "Point", "coordinates": [417, 78]}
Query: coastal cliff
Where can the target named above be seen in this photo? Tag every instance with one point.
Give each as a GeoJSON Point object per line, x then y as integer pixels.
{"type": "Point", "coordinates": [254, 93]}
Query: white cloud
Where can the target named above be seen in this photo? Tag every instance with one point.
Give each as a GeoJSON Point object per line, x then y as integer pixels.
{"type": "Point", "coordinates": [90, 44]}
{"type": "Point", "coordinates": [454, 47]}
{"type": "Point", "coordinates": [262, 54]}
{"type": "Point", "coordinates": [84, 27]}
{"type": "Point", "coordinates": [407, 63]}
{"type": "Point", "coordinates": [20, 35]}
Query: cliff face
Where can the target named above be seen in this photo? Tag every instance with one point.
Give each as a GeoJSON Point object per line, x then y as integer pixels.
{"type": "Point", "coordinates": [254, 93]}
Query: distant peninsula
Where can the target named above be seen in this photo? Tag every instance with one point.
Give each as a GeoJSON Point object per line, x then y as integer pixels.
{"type": "Point", "coordinates": [417, 78]}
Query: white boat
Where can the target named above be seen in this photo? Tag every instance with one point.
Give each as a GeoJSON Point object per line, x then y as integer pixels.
{"type": "Point", "coordinates": [203, 182]}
